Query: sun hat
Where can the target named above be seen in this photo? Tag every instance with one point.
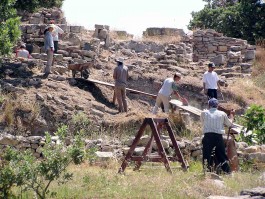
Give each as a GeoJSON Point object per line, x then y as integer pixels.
{"type": "Point", "coordinates": [211, 64]}
{"type": "Point", "coordinates": [120, 59]}
{"type": "Point", "coordinates": [213, 102]}
{"type": "Point", "coordinates": [49, 26]}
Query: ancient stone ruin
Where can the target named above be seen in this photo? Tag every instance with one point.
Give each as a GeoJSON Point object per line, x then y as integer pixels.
{"type": "Point", "coordinates": [163, 32]}
{"type": "Point", "coordinates": [211, 45]}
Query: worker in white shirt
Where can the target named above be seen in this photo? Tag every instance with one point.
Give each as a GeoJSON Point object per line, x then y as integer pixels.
{"type": "Point", "coordinates": [213, 121]}
{"type": "Point", "coordinates": [22, 52]}
{"type": "Point", "coordinates": [211, 82]}
{"type": "Point", "coordinates": [55, 34]}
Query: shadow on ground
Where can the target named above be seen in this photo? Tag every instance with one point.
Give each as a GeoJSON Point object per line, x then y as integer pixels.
{"type": "Point", "coordinates": [95, 91]}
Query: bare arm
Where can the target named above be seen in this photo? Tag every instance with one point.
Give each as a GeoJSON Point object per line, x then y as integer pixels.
{"type": "Point", "coordinates": [115, 74]}
{"type": "Point", "coordinates": [60, 31]}
{"type": "Point", "coordinates": [218, 84]}
{"type": "Point", "coordinates": [204, 86]}
{"type": "Point", "coordinates": [178, 95]}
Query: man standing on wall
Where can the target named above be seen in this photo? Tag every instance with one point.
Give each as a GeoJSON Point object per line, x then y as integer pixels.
{"type": "Point", "coordinates": [213, 122]}
{"type": "Point", "coordinates": [169, 86]}
{"type": "Point", "coordinates": [211, 82]}
{"type": "Point", "coordinates": [49, 49]}
{"type": "Point", "coordinates": [120, 75]}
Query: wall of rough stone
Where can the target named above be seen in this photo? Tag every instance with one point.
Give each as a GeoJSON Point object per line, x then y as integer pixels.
{"type": "Point", "coordinates": [207, 44]}
{"type": "Point", "coordinates": [189, 148]}
{"type": "Point", "coordinates": [43, 16]}
{"type": "Point", "coordinates": [163, 32]}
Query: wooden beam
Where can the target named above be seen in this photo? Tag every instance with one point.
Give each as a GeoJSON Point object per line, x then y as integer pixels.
{"type": "Point", "coordinates": [236, 130]}
{"type": "Point", "coordinates": [112, 85]}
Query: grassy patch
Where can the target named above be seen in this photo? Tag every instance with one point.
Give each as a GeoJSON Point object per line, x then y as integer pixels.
{"type": "Point", "coordinates": [152, 181]}
{"type": "Point", "coordinates": [246, 91]}
{"type": "Point", "coordinates": [259, 68]}
{"type": "Point", "coordinates": [163, 39]}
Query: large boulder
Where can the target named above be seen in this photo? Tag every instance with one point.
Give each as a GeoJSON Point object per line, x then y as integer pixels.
{"type": "Point", "coordinates": [250, 55]}
{"type": "Point", "coordinates": [218, 60]}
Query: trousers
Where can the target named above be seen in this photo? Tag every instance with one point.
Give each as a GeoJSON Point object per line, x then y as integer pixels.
{"type": "Point", "coordinates": [159, 100]}
{"type": "Point", "coordinates": [47, 69]}
{"type": "Point", "coordinates": [120, 92]}
{"type": "Point", "coordinates": [214, 147]}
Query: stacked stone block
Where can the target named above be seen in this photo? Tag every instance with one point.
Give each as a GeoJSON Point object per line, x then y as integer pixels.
{"type": "Point", "coordinates": [208, 44]}
{"type": "Point", "coordinates": [163, 32]}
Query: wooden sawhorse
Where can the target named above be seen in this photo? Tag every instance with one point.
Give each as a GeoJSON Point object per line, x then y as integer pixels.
{"type": "Point", "coordinates": [156, 125]}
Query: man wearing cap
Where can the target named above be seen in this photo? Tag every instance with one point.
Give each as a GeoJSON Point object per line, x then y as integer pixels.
{"type": "Point", "coordinates": [49, 48]}
{"type": "Point", "coordinates": [55, 34]}
{"type": "Point", "coordinates": [120, 75]}
{"type": "Point", "coordinates": [213, 122]}
{"type": "Point", "coordinates": [169, 86]}
{"type": "Point", "coordinates": [211, 82]}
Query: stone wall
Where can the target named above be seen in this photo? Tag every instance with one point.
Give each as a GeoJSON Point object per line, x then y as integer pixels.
{"type": "Point", "coordinates": [102, 33]}
{"type": "Point", "coordinates": [163, 32]}
{"type": "Point", "coordinates": [43, 16]}
{"type": "Point", "coordinates": [208, 44]}
{"type": "Point", "coordinates": [188, 148]}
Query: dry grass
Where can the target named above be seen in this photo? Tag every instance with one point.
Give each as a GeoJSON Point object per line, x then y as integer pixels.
{"type": "Point", "coordinates": [163, 39]}
{"type": "Point", "coordinates": [152, 181]}
{"type": "Point", "coordinates": [252, 90]}
{"type": "Point", "coordinates": [259, 68]}
{"type": "Point", "coordinates": [259, 64]}
{"type": "Point", "coordinates": [16, 110]}
{"type": "Point", "coordinates": [120, 37]}
{"type": "Point", "coordinates": [246, 91]}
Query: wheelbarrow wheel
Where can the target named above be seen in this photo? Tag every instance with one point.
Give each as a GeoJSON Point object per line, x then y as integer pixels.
{"type": "Point", "coordinates": [86, 73]}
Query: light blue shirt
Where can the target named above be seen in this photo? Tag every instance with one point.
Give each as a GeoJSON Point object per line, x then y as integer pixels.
{"type": "Point", "coordinates": [48, 41]}
{"type": "Point", "coordinates": [214, 120]}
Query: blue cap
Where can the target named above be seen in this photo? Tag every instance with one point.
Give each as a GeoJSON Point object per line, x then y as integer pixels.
{"type": "Point", "coordinates": [213, 102]}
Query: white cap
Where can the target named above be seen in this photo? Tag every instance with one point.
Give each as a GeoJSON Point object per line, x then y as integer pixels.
{"type": "Point", "coordinates": [120, 59]}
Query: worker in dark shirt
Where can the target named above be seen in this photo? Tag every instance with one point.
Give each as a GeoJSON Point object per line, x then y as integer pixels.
{"type": "Point", "coordinates": [120, 75]}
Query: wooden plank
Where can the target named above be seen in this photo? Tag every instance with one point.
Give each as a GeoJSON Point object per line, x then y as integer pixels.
{"type": "Point", "coordinates": [235, 130]}
{"type": "Point", "coordinates": [188, 108]}
{"type": "Point", "coordinates": [127, 89]}
{"type": "Point", "coordinates": [175, 102]}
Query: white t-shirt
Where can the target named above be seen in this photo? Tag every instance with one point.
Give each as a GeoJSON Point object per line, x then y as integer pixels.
{"type": "Point", "coordinates": [55, 33]}
{"type": "Point", "coordinates": [23, 53]}
{"type": "Point", "coordinates": [210, 79]}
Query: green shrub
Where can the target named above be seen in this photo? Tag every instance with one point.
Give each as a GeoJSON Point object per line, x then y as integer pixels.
{"type": "Point", "coordinates": [254, 123]}
{"type": "Point", "coordinates": [32, 5]}
{"type": "Point", "coordinates": [9, 26]}
{"type": "Point", "coordinates": [24, 170]}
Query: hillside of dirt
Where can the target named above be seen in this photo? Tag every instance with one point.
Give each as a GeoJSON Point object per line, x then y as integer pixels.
{"type": "Point", "coordinates": [32, 105]}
